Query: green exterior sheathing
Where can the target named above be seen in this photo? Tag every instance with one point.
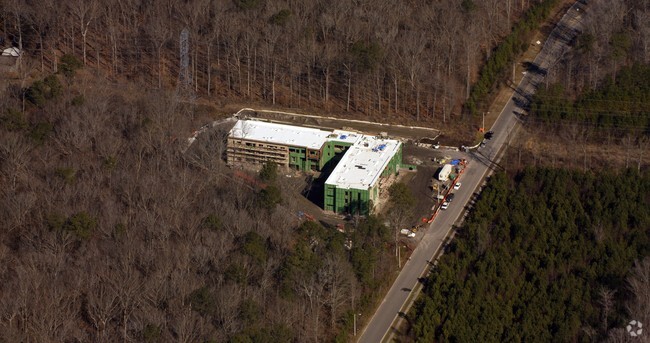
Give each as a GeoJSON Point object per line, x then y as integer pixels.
{"type": "Point", "coordinates": [330, 198]}
{"type": "Point", "coordinates": [332, 149]}
{"type": "Point", "coordinates": [340, 200]}
{"type": "Point", "coordinates": [327, 153]}
{"type": "Point", "coordinates": [394, 164]}
{"type": "Point", "coordinates": [346, 200]}
{"type": "Point", "coordinates": [297, 158]}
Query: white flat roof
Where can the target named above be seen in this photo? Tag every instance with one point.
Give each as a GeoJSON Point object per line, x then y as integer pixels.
{"type": "Point", "coordinates": [298, 136]}
{"type": "Point", "coordinates": [359, 168]}
{"type": "Point", "coordinates": [279, 133]}
{"type": "Point", "coordinates": [363, 163]}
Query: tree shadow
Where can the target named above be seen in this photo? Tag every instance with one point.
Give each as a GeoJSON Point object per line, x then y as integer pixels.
{"type": "Point", "coordinates": [532, 67]}
{"type": "Point", "coordinates": [480, 156]}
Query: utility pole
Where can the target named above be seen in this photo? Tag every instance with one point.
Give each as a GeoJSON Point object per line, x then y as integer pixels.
{"type": "Point", "coordinates": [483, 125]}
{"type": "Point", "coordinates": [399, 256]}
{"type": "Point", "coordinates": [355, 322]}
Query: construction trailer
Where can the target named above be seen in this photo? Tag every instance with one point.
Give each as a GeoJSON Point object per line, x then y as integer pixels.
{"type": "Point", "coordinates": [443, 175]}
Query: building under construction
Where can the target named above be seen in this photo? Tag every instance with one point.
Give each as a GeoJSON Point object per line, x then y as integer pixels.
{"type": "Point", "coordinates": [361, 161]}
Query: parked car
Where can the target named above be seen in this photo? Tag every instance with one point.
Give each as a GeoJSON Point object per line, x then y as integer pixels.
{"type": "Point", "coordinates": [488, 135]}
{"type": "Point", "coordinates": [445, 205]}
{"type": "Point", "coordinates": [450, 197]}
{"type": "Point", "coordinates": [457, 186]}
{"type": "Point", "coordinates": [407, 233]}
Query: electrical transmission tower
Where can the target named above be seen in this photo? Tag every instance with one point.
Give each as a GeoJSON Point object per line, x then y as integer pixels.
{"type": "Point", "coordinates": [184, 87]}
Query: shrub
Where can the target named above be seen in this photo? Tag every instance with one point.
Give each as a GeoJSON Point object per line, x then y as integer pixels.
{"type": "Point", "coordinates": [247, 4]}
{"type": "Point", "coordinates": [212, 222]}
{"type": "Point", "coordinates": [281, 18]}
{"type": "Point", "coordinates": [151, 333]}
{"type": "Point", "coordinates": [54, 88]}
{"type": "Point", "coordinates": [201, 301]}
{"type": "Point", "coordinates": [42, 90]}
{"type": "Point", "coordinates": [119, 230]}
{"type": "Point", "coordinates": [13, 120]}
{"type": "Point", "coordinates": [249, 311]}
{"type": "Point", "coordinates": [55, 221]}
{"type": "Point", "coordinates": [235, 273]}
{"type": "Point", "coordinates": [40, 131]}
{"type": "Point", "coordinates": [254, 246]}
{"type": "Point", "coordinates": [67, 174]}
{"type": "Point", "coordinates": [366, 55]}
{"type": "Point", "coordinates": [78, 100]}
{"type": "Point", "coordinates": [80, 224]}
{"type": "Point", "coordinates": [270, 197]}
{"type": "Point", "coordinates": [69, 64]}
{"type": "Point", "coordinates": [36, 93]}
{"type": "Point", "coordinates": [269, 172]}
{"type": "Point", "coordinates": [110, 162]}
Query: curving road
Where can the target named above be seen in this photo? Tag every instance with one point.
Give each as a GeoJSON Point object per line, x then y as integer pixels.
{"type": "Point", "coordinates": [482, 162]}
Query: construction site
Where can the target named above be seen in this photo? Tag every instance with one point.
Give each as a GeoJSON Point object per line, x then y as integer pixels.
{"type": "Point", "coordinates": [359, 163]}
{"type": "Point", "coordinates": [345, 167]}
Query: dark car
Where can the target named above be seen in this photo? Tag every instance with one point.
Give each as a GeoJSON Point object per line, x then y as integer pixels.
{"type": "Point", "coordinates": [450, 197]}
{"type": "Point", "coordinates": [488, 135]}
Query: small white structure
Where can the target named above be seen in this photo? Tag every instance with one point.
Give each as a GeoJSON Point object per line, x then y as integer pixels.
{"type": "Point", "coordinates": [444, 172]}
{"type": "Point", "coordinates": [9, 59]}
{"type": "Point", "coordinates": [13, 52]}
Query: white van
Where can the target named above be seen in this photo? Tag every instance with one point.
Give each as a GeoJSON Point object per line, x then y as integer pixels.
{"type": "Point", "coordinates": [407, 233]}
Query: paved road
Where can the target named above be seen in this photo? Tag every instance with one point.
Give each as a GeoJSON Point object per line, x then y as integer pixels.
{"type": "Point", "coordinates": [482, 162]}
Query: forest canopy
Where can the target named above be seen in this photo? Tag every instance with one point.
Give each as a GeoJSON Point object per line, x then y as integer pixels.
{"type": "Point", "coordinates": [414, 59]}
{"type": "Point", "coordinates": [113, 231]}
{"type": "Point", "coordinates": [546, 256]}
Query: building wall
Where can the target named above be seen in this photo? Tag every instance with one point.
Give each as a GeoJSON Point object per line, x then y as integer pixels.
{"type": "Point", "coordinates": [330, 150]}
{"type": "Point", "coordinates": [242, 151]}
{"type": "Point", "coordinates": [394, 164]}
{"type": "Point", "coordinates": [340, 200]}
{"type": "Point", "coordinates": [297, 157]}
{"type": "Point", "coordinates": [304, 159]}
